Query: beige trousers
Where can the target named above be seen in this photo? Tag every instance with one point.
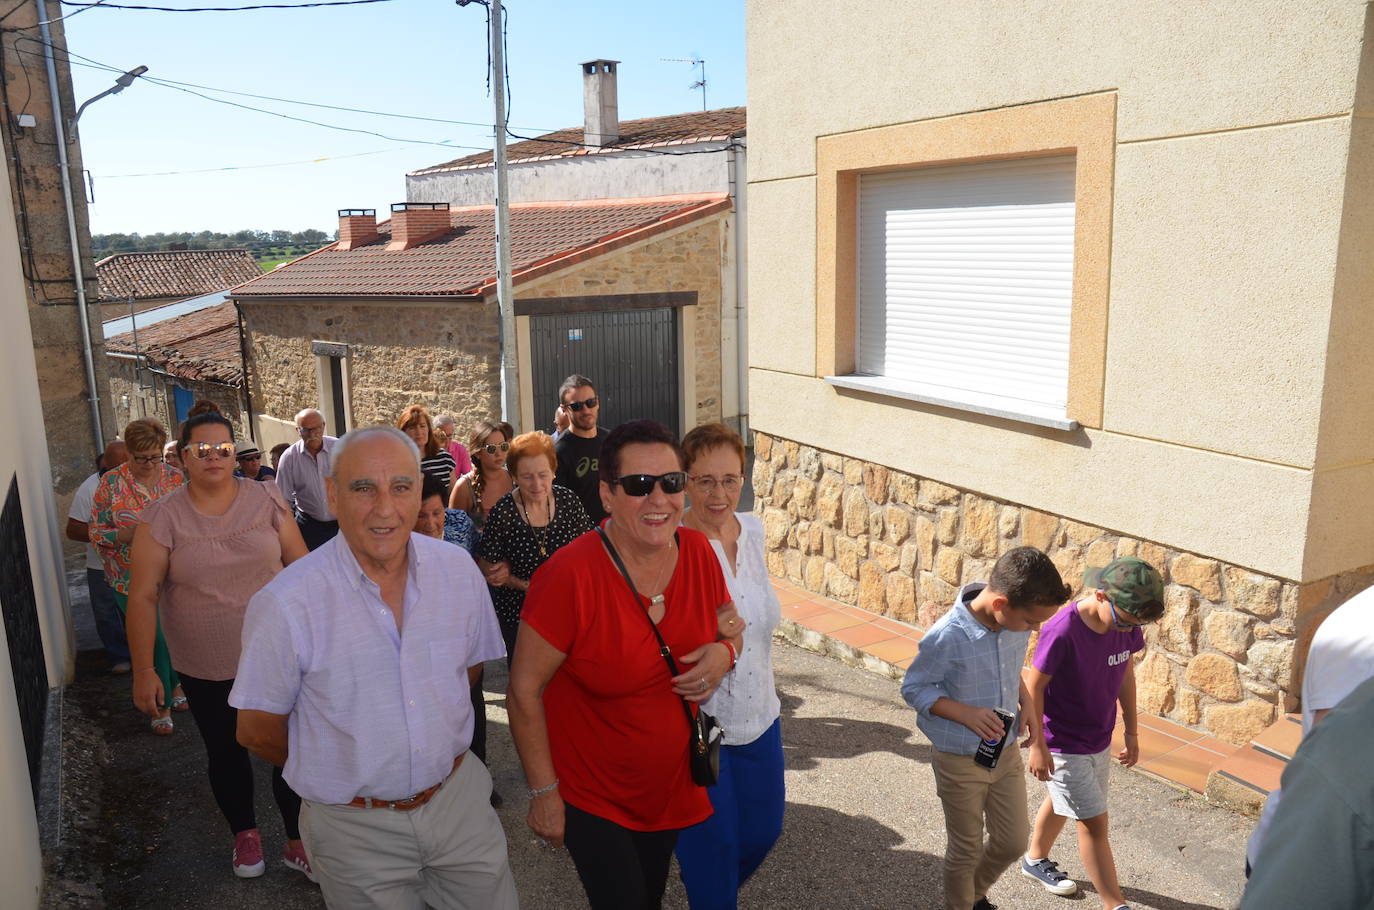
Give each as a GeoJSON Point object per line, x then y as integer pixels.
{"type": "Point", "coordinates": [972, 796]}
{"type": "Point", "coordinates": [449, 853]}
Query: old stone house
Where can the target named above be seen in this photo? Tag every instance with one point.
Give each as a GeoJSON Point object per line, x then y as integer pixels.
{"type": "Point", "coordinates": [160, 370]}
{"type": "Point", "coordinates": [1045, 286]}
{"type": "Point", "coordinates": [627, 291]}
{"type": "Point", "coordinates": [607, 158]}
{"type": "Point", "coordinates": [136, 282]}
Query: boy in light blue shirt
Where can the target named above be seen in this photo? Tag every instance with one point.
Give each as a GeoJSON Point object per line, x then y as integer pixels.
{"type": "Point", "coordinates": [969, 664]}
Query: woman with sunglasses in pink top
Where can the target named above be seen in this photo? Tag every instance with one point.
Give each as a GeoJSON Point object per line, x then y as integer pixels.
{"type": "Point", "coordinates": [199, 555]}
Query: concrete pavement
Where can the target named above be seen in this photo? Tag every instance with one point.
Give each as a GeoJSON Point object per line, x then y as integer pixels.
{"type": "Point", "coordinates": [863, 826]}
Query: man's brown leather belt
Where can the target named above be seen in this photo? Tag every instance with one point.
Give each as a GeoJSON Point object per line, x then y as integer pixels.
{"type": "Point", "coordinates": [414, 801]}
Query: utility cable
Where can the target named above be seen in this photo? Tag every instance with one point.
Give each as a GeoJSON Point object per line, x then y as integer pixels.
{"type": "Point", "coordinates": [222, 9]}
{"type": "Point", "coordinates": [246, 167]}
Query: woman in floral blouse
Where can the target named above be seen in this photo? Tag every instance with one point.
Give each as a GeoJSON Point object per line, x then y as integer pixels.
{"type": "Point", "coordinates": [123, 494]}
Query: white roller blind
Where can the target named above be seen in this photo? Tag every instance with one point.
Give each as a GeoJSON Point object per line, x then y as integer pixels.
{"type": "Point", "coordinates": [966, 281]}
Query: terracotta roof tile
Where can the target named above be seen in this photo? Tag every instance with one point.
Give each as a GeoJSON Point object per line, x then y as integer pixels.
{"type": "Point", "coordinates": [462, 262]}
{"type": "Point", "coordinates": [674, 129]}
{"type": "Point", "coordinates": [174, 273]}
{"type": "Point", "coordinates": [203, 345]}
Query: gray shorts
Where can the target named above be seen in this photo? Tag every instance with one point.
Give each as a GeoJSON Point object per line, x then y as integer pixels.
{"type": "Point", "coordinates": [1078, 787]}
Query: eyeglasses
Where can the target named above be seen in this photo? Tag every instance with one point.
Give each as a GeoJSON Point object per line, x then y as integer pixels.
{"type": "Point", "coordinates": [148, 459]}
{"type": "Point", "coordinates": [1116, 620]}
{"type": "Point", "coordinates": [491, 449]}
{"type": "Point", "coordinates": [643, 484]}
{"type": "Point", "coordinates": [203, 450]}
{"type": "Point", "coordinates": [311, 431]}
{"type": "Point", "coordinates": [730, 483]}
{"type": "Point", "coordinates": [576, 406]}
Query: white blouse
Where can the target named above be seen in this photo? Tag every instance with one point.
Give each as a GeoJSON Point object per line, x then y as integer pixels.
{"type": "Point", "coordinates": [746, 703]}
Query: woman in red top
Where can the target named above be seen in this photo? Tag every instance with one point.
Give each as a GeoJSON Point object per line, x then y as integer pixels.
{"type": "Point", "coordinates": [595, 715]}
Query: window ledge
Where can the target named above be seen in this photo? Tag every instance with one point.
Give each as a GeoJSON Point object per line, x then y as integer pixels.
{"type": "Point", "coordinates": [990, 405]}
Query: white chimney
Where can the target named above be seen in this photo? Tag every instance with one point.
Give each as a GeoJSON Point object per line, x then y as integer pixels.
{"type": "Point", "coordinates": [601, 113]}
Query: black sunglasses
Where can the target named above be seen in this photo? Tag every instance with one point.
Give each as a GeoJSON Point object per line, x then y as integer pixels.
{"type": "Point", "coordinates": [643, 484]}
{"type": "Point", "coordinates": [579, 405]}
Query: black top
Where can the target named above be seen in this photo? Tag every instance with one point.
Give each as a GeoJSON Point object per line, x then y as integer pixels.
{"type": "Point", "coordinates": [507, 538]}
{"type": "Point", "coordinates": [440, 466]}
{"type": "Point", "coordinates": [578, 458]}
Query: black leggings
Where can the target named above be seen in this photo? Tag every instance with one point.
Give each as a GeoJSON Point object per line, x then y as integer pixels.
{"type": "Point", "coordinates": [620, 869]}
{"type": "Point", "coordinates": [228, 765]}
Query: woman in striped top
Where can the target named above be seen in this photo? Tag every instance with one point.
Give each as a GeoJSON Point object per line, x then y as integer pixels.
{"type": "Point", "coordinates": [435, 460]}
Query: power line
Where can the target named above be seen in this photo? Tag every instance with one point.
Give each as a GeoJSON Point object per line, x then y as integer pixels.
{"type": "Point", "coordinates": [245, 167]}
{"type": "Point", "coordinates": [222, 9]}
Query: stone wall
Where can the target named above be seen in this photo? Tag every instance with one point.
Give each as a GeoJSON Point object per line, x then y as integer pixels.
{"type": "Point", "coordinates": [689, 260]}
{"type": "Point", "coordinates": [1226, 657]}
{"type": "Point", "coordinates": [154, 398]}
{"type": "Point", "coordinates": [442, 355]}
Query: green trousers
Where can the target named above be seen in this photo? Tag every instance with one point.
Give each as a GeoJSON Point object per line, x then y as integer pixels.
{"type": "Point", "coordinates": [162, 659]}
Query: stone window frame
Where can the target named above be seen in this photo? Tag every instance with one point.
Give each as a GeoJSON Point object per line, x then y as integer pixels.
{"type": "Point", "coordinates": [1084, 126]}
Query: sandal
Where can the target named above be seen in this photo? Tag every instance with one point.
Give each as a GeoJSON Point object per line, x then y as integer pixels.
{"type": "Point", "coordinates": [179, 703]}
{"type": "Point", "coordinates": [161, 726]}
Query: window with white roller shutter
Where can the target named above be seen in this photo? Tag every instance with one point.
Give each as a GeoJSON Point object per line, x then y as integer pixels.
{"type": "Point", "coordinates": [965, 284]}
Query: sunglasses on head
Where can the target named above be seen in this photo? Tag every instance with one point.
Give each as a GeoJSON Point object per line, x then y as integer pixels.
{"type": "Point", "coordinates": [643, 484]}
{"type": "Point", "coordinates": [579, 405]}
{"type": "Point", "coordinates": [204, 450]}
{"type": "Point", "coordinates": [493, 449]}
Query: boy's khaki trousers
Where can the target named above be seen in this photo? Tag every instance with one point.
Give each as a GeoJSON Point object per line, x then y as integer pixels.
{"type": "Point", "coordinates": [970, 794]}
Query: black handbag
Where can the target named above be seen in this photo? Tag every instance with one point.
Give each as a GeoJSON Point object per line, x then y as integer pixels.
{"type": "Point", "coordinates": [704, 733]}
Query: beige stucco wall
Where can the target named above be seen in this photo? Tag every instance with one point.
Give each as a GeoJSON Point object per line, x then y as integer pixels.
{"type": "Point", "coordinates": [1237, 377]}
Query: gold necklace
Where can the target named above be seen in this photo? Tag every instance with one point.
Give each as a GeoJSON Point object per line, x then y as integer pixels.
{"type": "Point", "coordinates": [657, 599]}
{"type": "Point", "coordinates": [541, 533]}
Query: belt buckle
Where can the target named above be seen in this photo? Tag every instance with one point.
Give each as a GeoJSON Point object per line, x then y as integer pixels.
{"type": "Point", "coordinates": [407, 802]}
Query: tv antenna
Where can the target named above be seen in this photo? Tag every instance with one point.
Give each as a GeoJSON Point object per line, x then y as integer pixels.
{"type": "Point", "coordinates": [700, 83]}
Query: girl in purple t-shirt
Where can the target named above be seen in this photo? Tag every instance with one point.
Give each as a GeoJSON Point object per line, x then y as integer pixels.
{"type": "Point", "coordinates": [1082, 668]}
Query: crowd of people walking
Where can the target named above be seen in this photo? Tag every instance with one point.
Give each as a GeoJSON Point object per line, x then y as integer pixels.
{"type": "Point", "coordinates": [332, 613]}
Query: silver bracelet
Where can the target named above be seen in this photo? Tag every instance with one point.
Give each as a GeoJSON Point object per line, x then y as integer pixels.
{"type": "Point", "coordinates": [542, 790]}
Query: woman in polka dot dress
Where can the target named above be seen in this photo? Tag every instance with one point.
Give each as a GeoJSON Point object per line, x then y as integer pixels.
{"type": "Point", "coordinates": [525, 527]}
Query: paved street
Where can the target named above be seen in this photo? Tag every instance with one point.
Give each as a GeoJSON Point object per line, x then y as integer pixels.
{"type": "Point", "coordinates": [863, 826]}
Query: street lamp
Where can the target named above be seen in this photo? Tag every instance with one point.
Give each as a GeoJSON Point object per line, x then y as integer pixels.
{"type": "Point", "coordinates": [121, 83]}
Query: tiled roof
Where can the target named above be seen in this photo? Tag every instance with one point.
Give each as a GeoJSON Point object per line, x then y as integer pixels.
{"type": "Point", "coordinates": [462, 263]}
{"type": "Point", "coordinates": [175, 273]}
{"type": "Point", "coordinates": [203, 345]}
{"type": "Point", "coordinates": [674, 129]}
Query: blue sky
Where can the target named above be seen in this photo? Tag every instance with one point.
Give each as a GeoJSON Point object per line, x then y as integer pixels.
{"type": "Point", "coordinates": [422, 57]}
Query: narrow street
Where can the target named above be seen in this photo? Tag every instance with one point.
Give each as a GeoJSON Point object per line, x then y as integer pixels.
{"type": "Point", "coordinates": [863, 827]}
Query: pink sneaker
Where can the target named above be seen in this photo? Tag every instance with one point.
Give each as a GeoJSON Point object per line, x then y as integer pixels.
{"type": "Point", "coordinates": [295, 858]}
{"type": "Point", "coordinates": [248, 854]}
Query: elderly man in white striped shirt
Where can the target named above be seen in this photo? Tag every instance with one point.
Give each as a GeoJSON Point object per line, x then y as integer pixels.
{"type": "Point", "coordinates": [354, 676]}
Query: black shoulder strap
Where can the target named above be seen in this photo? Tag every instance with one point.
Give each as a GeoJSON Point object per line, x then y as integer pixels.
{"type": "Point", "coordinates": [639, 599]}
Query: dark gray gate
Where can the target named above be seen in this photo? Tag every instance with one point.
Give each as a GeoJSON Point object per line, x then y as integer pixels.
{"type": "Point", "coordinates": [631, 355]}
{"type": "Point", "coordinates": [19, 607]}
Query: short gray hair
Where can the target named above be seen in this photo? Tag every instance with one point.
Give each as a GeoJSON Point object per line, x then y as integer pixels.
{"type": "Point", "coordinates": [347, 440]}
{"type": "Point", "coordinates": [445, 420]}
{"type": "Point", "coordinates": [306, 412]}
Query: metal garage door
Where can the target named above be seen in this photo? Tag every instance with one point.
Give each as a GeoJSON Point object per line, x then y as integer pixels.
{"type": "Point", "coordinates": [631, 356]}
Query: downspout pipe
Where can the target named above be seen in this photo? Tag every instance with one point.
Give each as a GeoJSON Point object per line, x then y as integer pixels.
{"type": "Point", "coordinates": [78, 274]}
{"type": "Point", "coordinates": [739, 183]}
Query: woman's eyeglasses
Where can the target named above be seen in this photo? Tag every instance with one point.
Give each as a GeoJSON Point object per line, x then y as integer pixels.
{"type": "Point", "coordinates": [730, 483]}
{"type": "Point", "coordinates": [148, 459]}
{"type": "Point", "coordinates": [203, 450]}
{"type": "Point", "coordinates": [643, 484]}
{"type": "Point", "coordinates": [576, 406]}
{"type": "Point", "coordinates": [493, 449]}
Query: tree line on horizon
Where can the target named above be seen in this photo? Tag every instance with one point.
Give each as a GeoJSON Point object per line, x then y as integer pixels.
{"type": "Point", "coordinates": [260, 242]}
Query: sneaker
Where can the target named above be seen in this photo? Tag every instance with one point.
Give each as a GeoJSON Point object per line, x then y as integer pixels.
{"type": "Point", "coordinates": [1046, 872]}
{"type": "Point", "coordinates": [248, 854]}
{"type": "Point", "coordinates": [984, 904]}
{"type": "Point", "coordinates": [119, 668]}
{"type": "Point", "coordinates": [295, 858]}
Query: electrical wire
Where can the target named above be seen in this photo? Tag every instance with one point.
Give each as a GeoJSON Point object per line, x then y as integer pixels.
{"type": "Point", "coordinates": [222, 9]}
{"type": "Point", "coordinates": [246, 167]}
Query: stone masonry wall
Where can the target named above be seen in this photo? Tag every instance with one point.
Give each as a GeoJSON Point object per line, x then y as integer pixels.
{"type": "Point", "coordinates": [1226, 656]}
{"type": "Point", "coordinates": [154, 399]}
{"type": "Point", "coordinates": [689, 260]}
{"type": "Point", "coordinates": [443, 356]}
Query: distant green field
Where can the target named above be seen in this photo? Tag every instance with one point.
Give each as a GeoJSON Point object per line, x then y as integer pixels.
{"type": "Point", "coordinates": [268, 265]}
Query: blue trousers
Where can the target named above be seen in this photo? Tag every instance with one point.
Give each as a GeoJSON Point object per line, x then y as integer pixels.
{"type": "Point", "coordinates": [108, 626]}
{"type": "Point", "coordinates": [719, 854]}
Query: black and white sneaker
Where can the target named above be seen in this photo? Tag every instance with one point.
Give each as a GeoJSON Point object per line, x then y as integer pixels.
{"type": "Point", "coordinates": [1046, 872]}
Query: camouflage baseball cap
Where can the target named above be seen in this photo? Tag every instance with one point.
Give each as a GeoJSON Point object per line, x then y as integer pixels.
{"type": "Point", "coordinates": [1131, 584]}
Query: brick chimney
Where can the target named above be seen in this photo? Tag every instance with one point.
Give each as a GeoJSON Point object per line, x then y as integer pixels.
{"type": "Point", "coordinates": [601, 112]}
{"type": "Point", "coordinates": [413, 223]}
{"type": "Point", "coordinates": [357, 227]}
